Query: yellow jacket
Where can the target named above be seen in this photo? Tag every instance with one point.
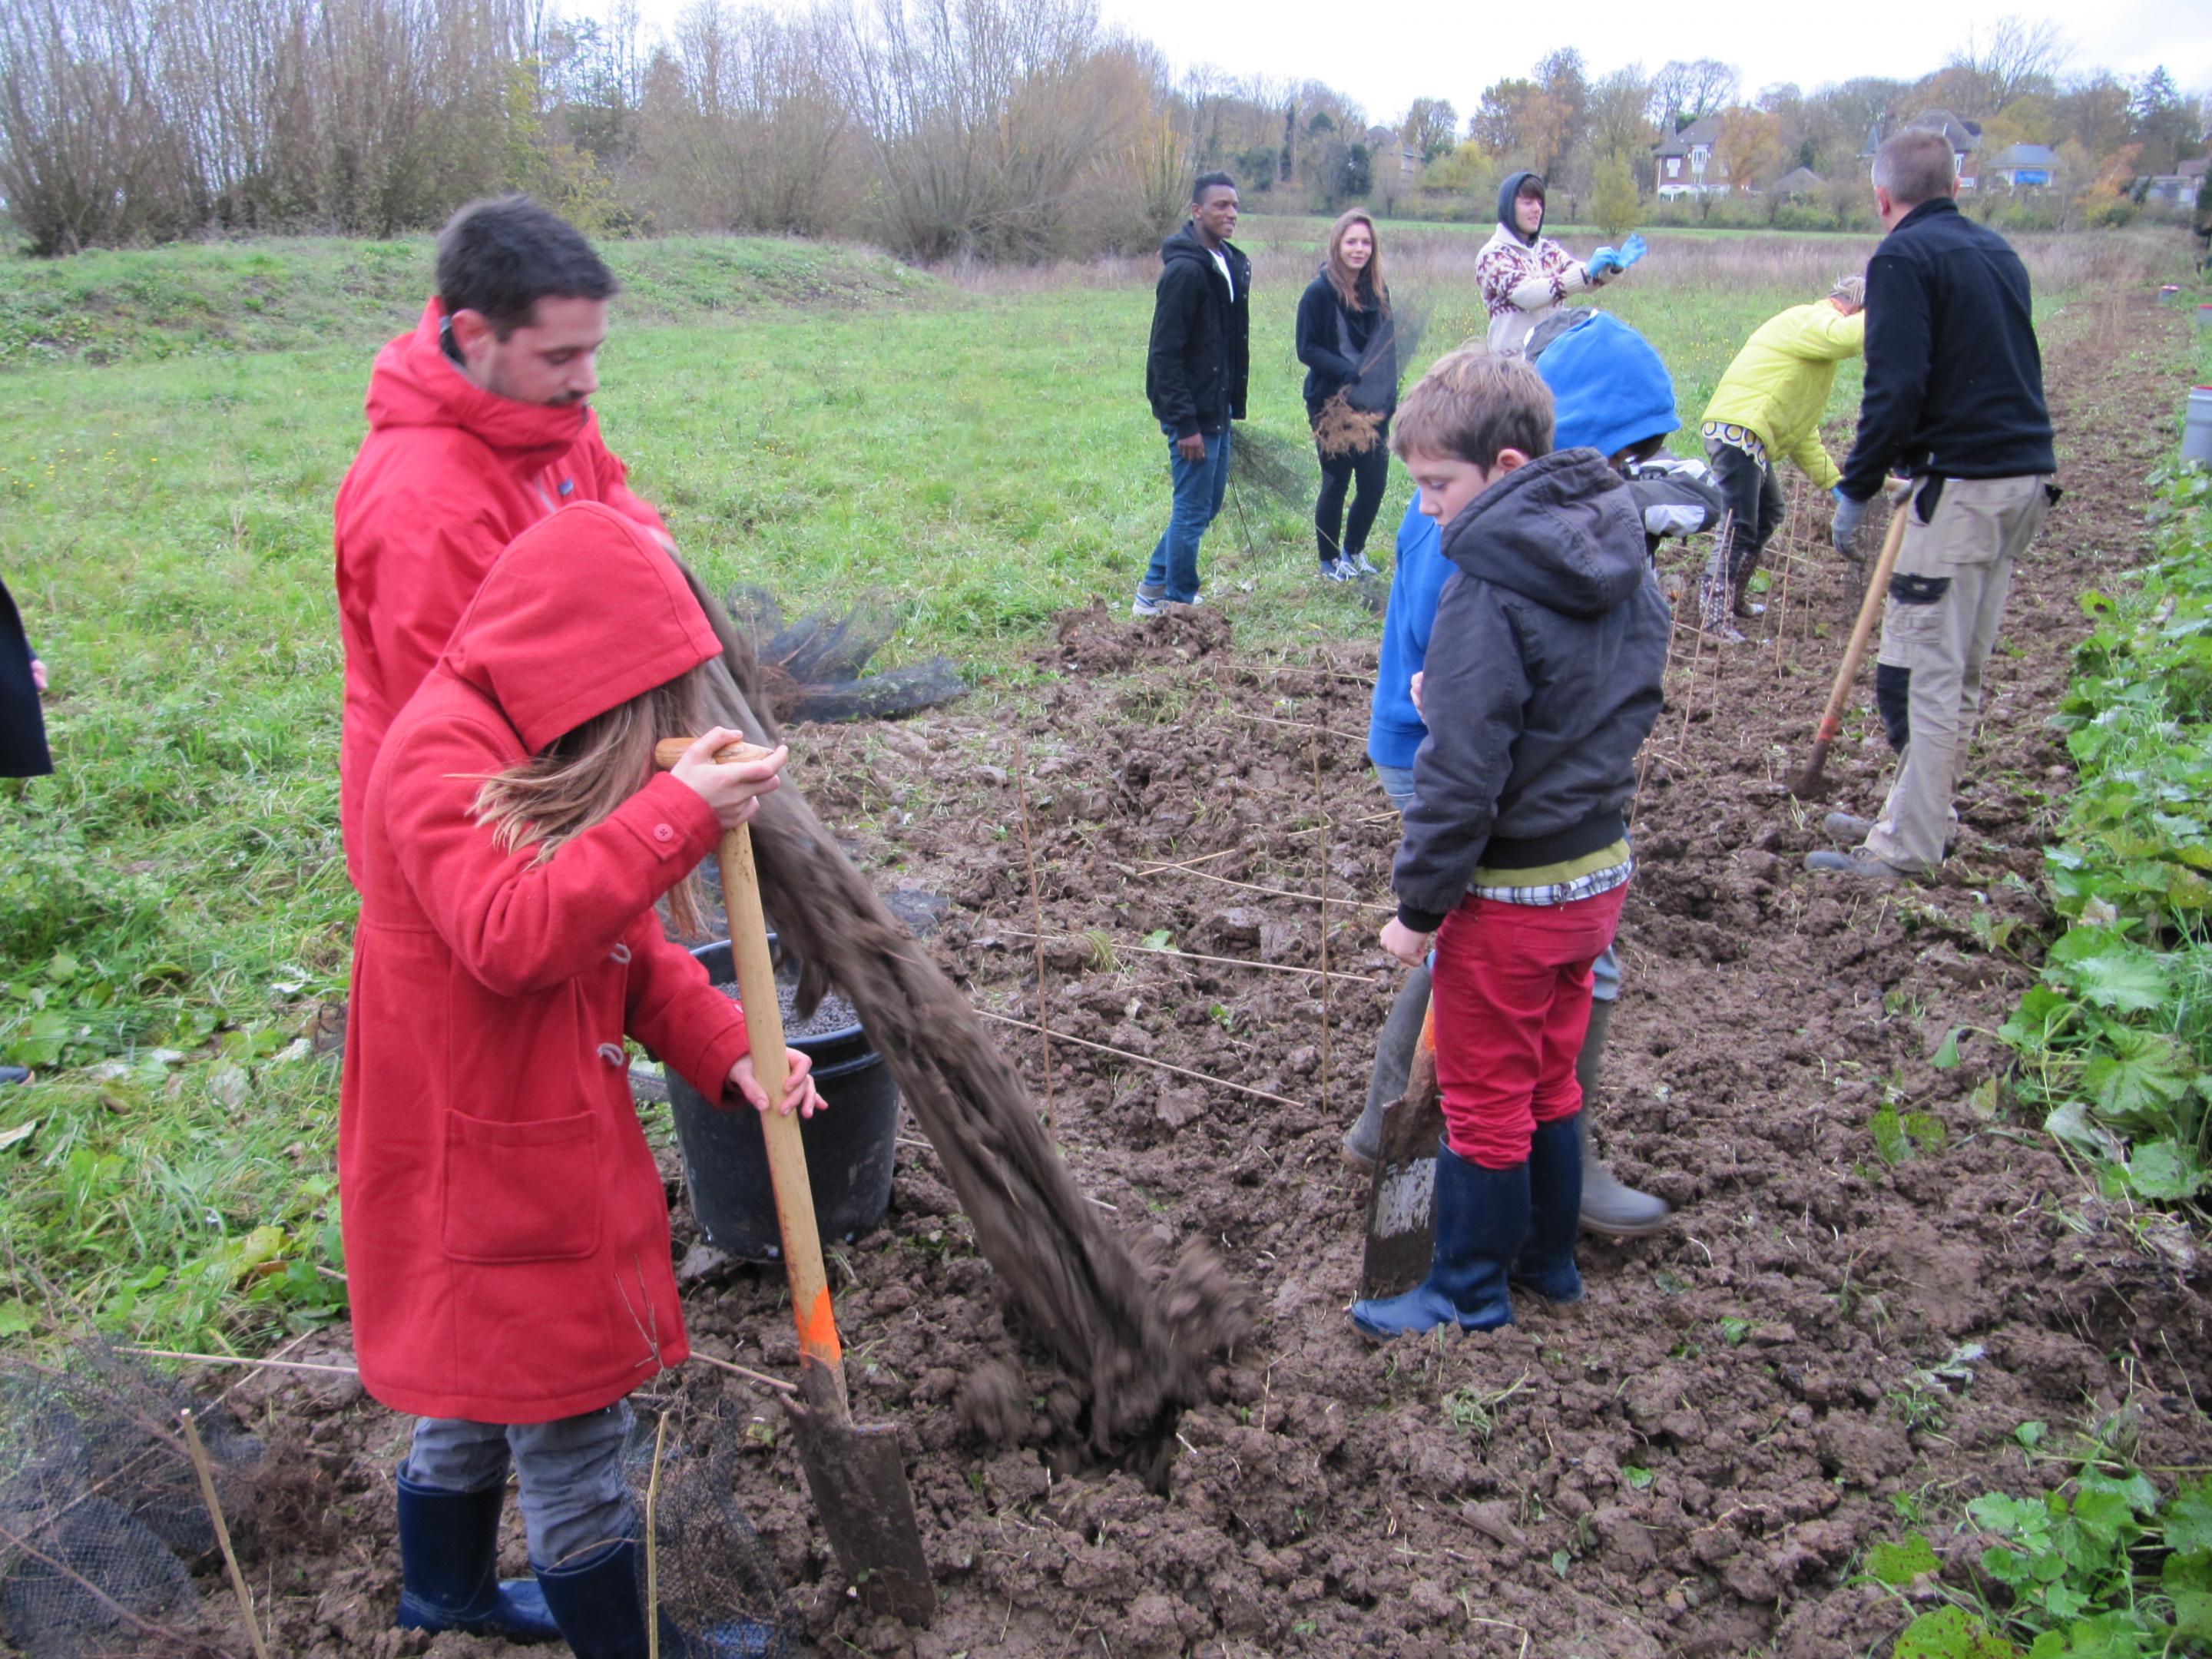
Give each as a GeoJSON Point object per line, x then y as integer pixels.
{"type": "Point", "coordinates": [1779, 382]}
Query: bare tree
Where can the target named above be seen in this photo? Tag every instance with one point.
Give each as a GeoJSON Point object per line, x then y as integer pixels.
{"type": "Point", "coordinates": [1681, 93]}
{"type": "Point", "coordinates": [1431, 126]}
{"type": "Point", "coordinates": [2018, 57]}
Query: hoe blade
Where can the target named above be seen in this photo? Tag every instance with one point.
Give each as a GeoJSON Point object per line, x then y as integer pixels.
{"type": "Point", "coordinates": [1401, 1210]}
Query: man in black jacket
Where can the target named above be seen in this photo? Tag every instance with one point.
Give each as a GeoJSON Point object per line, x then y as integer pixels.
{"type": "Point", "coordinates": [1954, 397]}
{"type": "Point", "coordinates": [1194, 375]}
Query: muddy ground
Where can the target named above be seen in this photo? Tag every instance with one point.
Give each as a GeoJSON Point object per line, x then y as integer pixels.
{"type": "Point", "coordinates": [1828, 1348]}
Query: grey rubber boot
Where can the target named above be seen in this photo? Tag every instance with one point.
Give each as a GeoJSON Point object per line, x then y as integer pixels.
{"type": "Point", "coordinates": [1393, 1063]}
{"type": "Point", "coordinates": [1608, 1206]}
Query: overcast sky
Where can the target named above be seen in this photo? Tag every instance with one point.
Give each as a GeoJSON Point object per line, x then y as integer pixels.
{"type": "Point", "coordinates": [1387, 56]}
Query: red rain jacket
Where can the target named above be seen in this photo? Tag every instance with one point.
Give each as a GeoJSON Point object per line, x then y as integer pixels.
{"type": "Point", "coordinates": [447, 477]}
{"type": "Point", "coordinates": [505, 1233]}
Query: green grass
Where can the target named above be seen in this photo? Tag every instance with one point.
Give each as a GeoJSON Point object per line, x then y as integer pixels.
{"type": "Point", "coordinates": [173, 428]}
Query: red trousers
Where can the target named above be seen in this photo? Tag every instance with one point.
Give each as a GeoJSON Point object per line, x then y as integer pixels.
{"type": "Point", "coordinates": [1512, 992]}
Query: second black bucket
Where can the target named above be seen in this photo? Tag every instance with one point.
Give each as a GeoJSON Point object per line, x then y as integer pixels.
{"type": "Point", "coordinates": [850, 1145]}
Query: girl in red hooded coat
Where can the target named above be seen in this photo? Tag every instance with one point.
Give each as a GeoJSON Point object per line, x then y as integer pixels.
{"type": "Point", "coordinates": [507, 1238]}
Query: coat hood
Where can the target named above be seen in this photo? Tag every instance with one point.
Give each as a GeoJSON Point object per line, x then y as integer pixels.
{"type": "Point", "coordinates": [582, 612]}
{"type": "Point", "coordinates": [1506, 192]}
{"type": "Point", "coordinates": [1562, 531]}
{"type": "Point", "coordinates": [416, 384]}
{"type": "Point", "coordinates": [1609, 388]}
{"type": "Point", "coordinates": [1185, 244]}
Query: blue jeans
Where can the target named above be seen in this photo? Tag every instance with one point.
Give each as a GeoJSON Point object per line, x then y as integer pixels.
{"type": "Point", "coordinates": [1199, 487]}
{"type": "Point", "coordinates": [1397, 783]}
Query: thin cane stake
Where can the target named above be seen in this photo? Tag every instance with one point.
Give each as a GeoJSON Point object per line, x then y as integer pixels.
{"type": "Point", "coordinates": [1037, 911]}
{"type": "Point", "coordinates": [653, 1544]}
{"type": "Point", "coordinates": [1282, 892]}
{"type": "Point", "coordinates": [1194, 956]}
{"type": "Point", "coordinates": [221, 1531]}
{"type": "Point", "coordinates": [241, 1359]}
{"type": "Point", "coordinates": [1146, 1060]}
{"type": "Point", "coordinates": [761, 1377]}
{"type": "Point", "coordinates": [1321, 804]}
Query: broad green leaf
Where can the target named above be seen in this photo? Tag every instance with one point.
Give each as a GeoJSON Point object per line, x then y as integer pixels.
{"type": "Point", "coordinates": [2189, 1517]}
{"type": "Point", "coordinates": [1946, 1057]}
{"type": "Point", "coordinates": [2072, 1124]}
{"type": "Point", "coordinates": [2165, 1170]}
{"type": "Point", "coordinates": [1951, 1633]}
{"type": "Point", "coordinates": [1899, 1563]}
{"type": "Point", "coordinates": [2134, 983]}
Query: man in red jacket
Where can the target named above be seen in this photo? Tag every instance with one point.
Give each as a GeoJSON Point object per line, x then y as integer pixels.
{"type": "Point", "coordinates": [479, 426]}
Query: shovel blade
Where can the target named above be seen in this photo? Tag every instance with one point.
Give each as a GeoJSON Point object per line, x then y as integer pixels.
{"type": "Point", "coordinates": [858, 1483]}
{"type": "Point", "coordinates": [1401, 1209]}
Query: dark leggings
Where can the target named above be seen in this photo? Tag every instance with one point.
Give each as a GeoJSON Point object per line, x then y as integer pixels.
{"type": "Point", "coordinates": [1372, 467]}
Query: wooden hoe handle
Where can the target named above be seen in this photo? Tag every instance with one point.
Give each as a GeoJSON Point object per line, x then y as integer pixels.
{"type": "Point", "coordinates": [1831, 721]}
{"type": "Point", "coordinates": [822, 1357]}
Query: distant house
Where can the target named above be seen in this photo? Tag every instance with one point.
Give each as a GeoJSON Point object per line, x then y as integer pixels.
{"type": "Point", "coordinates": [1683, 163]}
{"type": "Point", "coordinates": [2177, 191]}
{"type": "Point", "coordinates": [2022, 166]}
{"type": "Point", "coordinates": [1801, 181]}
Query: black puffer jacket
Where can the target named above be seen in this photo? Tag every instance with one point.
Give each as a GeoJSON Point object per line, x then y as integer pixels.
{"type": "Point", "coordinates": [1326, 326]}
{"type": "Point", "coordinates": [1540, 684]}
{"type": "Point", "coordinates": [1201, 350]}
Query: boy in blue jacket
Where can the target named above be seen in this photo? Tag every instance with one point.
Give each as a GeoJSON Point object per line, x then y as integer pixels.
{"type": "Point", "coordinates": [1612, 393]}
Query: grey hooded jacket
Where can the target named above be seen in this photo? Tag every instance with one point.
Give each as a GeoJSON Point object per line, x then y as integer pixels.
{"type": "Point", "coordinates": [1542, 682]}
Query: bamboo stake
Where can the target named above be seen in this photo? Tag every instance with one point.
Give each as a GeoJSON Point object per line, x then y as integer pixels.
{"type": "Point", "coordinates": [1284, 892]}
{"type": "Point", "coordinates": [1225, 962]}
{"type": "Point", "coordinates": [1037, 911]}
{"type": "Point", "coordinates": [653, 1544]}
{"type": "Point", "coordinates": [1320, 805]}
{"type": "Point", "coordinates": [1146, 1060]}
{"type": "Point", "coordinates": [221, 1531]}
{"type": "Point", "coordinates": [764, 1379]}
{"type": "Point", "coordinates": [241, 1359]}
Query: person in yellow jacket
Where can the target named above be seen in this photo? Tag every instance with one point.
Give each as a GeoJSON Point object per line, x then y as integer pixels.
{"type": "Point", "coordinates": [1769, 405]}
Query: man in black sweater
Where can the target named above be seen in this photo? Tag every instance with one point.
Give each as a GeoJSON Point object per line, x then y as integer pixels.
{"type": "Point", "coordinates": [1194, 375]}
{"type": "Point", "coordinates": [1954, 399]}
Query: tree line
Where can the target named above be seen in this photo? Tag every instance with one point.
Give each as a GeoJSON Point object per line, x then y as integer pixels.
{"type": "Point", "coordinates": [941, 129]}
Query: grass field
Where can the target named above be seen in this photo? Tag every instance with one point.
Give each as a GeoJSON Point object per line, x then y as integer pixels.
{"type": "Point", "coordinates": [173, 910]}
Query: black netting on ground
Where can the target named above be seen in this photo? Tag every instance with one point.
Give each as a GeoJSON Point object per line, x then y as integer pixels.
{"type": "Point", "coordinates": [714, 1580]}
{"type": "Point", "coordinates": [812, 666]}
{"type": "Point", "coordinates": [102, 1514]}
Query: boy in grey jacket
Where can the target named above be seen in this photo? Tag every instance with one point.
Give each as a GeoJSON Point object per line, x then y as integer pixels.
{"type": "Point", "coordinates": [1541, 680]}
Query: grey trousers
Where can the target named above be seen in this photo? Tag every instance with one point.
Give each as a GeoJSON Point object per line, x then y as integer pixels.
{"type": "Point", "coordinates": [573, 1501]}
{"type": "Point", "coordinates": [1946, 601]}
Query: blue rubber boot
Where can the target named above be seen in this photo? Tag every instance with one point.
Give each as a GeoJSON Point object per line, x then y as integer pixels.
{"type": "Point", "coordinates": [1482, 1216]}
{"type": "Point", "coordinates": [600, 1609]}
{"type": "Point", "coordinates": [1547, 1262]}
{"type": "Point", "coordinates": [449, 1568]}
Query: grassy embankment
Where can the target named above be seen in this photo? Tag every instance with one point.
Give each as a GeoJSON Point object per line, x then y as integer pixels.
{"type": "Point", "coordinates": [172, 905]}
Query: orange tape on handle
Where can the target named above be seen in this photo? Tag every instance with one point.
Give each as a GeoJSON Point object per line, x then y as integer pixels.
{"type": "Point", "coordinates": [817, 1330]}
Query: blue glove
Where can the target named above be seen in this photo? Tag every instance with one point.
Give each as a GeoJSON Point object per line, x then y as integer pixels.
{"type": "Point", "coordinates": [1845, 530]}
{"type": "Point", "coordinates": [1603, 262]}
{"type": "Point", "coordinates": [1631, 252]}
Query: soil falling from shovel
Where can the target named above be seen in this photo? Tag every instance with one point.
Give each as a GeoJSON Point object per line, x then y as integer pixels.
{"type": "Point", "coordinates": [1137, 1338]}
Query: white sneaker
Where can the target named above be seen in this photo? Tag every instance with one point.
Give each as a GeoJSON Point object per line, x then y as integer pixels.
{"type": "Point", "coordinates": [1338, 570]}
{"type": "Point", "coordinates": [1358, 565]}
{"type": "Point", "coordinates": [1145, 605]}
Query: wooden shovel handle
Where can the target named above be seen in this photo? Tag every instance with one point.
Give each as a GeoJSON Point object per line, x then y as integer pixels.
{"type": "Point", "coordinates": [1831, 721]}
{"type": "Point", "coordinates": [786, 1153]}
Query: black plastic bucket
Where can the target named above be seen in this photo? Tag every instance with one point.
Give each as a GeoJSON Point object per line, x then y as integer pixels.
{"type": "Point", "coordinates": [850, 1146]}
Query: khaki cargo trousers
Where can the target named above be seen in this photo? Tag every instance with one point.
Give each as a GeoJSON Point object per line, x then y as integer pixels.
{"type": "Point", "coordinates": [1946, 599]}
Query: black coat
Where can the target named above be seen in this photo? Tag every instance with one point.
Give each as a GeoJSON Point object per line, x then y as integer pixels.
{"type": "Point", "coordinates": [1540, 684]}
{"type": "Point", "coordinates": [1326, 326]}
{"type": "Point", "coordinates": [1954, 374]}
{"type": "Point", "coordinates": [1201, 348]}
{"type": "Point", "coordinates": [22, 725]}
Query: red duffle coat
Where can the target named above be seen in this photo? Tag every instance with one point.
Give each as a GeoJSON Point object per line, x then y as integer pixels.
{"type": "Point", "coordinates": [506, 1232]}
{"type": "Point", "coordinates": [447, 477]}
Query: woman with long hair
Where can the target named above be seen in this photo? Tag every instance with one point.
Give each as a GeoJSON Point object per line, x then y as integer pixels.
{"type": "Point", "coordinates": [1347, 343]}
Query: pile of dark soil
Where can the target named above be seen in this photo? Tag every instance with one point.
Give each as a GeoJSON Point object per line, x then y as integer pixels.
{"type": "Point", "coordinates": [1829, 1347]}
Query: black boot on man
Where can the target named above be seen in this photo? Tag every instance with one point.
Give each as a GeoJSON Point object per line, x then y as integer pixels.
{"type": "Point", "coordinates": [1608, 1206]}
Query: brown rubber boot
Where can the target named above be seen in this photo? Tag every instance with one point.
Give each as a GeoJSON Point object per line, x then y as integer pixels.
{"type": "Point", "coordinates": [1607, 1206]}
